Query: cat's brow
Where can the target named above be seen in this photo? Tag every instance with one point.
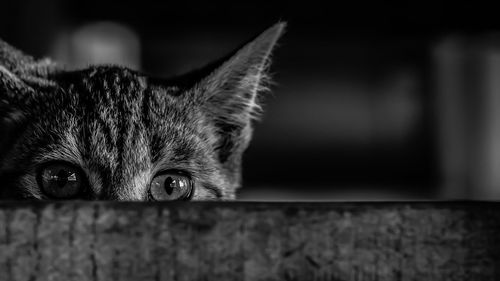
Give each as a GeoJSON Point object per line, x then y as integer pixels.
{"type": "Point", "coordinates": [65, 150]}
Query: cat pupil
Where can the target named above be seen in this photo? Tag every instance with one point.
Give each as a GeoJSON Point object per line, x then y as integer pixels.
{"type": "Point", "coordinates": [62, 178]}
{"type": "Point", "coordinates": [169, 188]}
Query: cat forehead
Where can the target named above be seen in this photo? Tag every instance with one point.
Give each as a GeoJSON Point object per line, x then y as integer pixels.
{"type": "Point", "coordinates": [114, 97]}
{"type": "Point", "coordinates": [109, 77]}
{"type": "Point", "coordinates": [106, 107]}
{"type": "Point", "coordinates": [101, 79]}
{"type": "Point", "coordinates": [107, 85]}
{"type": "Point", "coordinates": [100, 72]}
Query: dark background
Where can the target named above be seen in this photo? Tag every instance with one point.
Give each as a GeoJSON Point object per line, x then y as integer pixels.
{"type": "Point", "coordinates": [363, 106]}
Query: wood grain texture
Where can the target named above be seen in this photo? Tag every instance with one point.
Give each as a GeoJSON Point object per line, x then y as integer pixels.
{"type": "Point", "coordinates": [249, 241]}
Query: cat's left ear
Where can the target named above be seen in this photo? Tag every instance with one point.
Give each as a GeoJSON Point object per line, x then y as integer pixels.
{"type": "Point", "coordinates": [230, 93]}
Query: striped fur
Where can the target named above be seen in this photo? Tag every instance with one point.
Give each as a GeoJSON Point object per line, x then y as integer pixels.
{"type": "Point", "coordinates": [121, 127]}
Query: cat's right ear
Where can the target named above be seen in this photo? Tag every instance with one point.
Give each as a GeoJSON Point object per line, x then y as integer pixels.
{"type": "Point", "coordinates": [11, 86]}
{"type": "Point", "coordinates": [12, 90]}
{"type": "Point", "coordinates": [18, 81]}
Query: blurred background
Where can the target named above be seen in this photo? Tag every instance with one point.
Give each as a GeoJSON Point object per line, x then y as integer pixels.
{"type": "Point", "coordinates": [372, 102]}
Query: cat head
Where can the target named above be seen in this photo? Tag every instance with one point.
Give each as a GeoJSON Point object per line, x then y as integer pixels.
{"type": "Point", "coordinates": [112, 133]}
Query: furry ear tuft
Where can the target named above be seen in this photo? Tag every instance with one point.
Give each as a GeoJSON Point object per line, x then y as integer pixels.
{"type": "Point", "coordinates": [10, 84]}
{"type": "Point", "coordinates": [11, 90]}
{"type": "Point", "coordinates": [230, 93]}
{"type": "Point", "coordinates": [20, 75]}
{"type": "Point", "coordinates": [18, 71]}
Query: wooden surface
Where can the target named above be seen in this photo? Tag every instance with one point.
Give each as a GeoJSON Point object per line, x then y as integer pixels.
{"type": "Point", "coordinates": [249, 241]}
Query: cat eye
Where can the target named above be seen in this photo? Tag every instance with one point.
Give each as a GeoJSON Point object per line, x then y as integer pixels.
{"type": "Point", "coordinates": [171, 186]}
{"type": "Point", "coordinates": [60, 180]}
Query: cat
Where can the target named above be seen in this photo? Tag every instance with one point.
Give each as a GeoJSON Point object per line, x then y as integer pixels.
{"type": "Point", "coordinates": [107, 132]}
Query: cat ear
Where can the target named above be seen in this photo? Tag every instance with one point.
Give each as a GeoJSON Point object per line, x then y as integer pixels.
{"type": "Point", "coordinates": [18, 69]}
{"type": "Point", "coordinates": [19, 73]}
{"type": "Point", "coordinates": [230, 93]}
{"type": "Point", "coordinates": [10, 84]}
{"type": "Point", "coordinates": [12, 89]}
{"type": "Point", "coordinates": [231, 90]}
